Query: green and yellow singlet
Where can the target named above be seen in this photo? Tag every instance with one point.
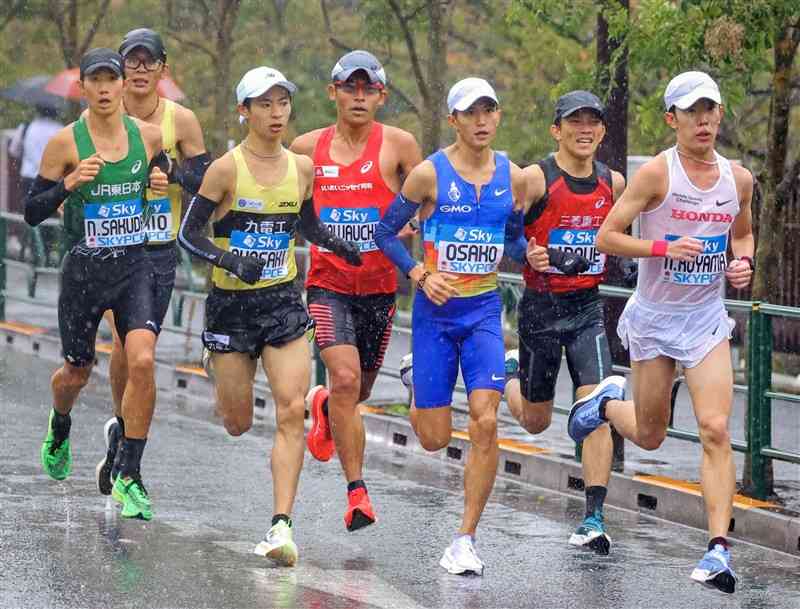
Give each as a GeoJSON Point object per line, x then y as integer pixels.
{"type": "Point", "coordinates": [165, 212]}
{"type": "Point", "coordinates": [261, 222]}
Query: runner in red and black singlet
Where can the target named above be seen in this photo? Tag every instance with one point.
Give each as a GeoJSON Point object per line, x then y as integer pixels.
{"type": "Point", "coordinates": [561, 307]}
{"type": "Point", "coordinates": [359, 166]}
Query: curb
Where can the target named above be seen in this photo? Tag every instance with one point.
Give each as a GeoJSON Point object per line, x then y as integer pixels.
{"type": "Point", "coordinates": [760, 522]}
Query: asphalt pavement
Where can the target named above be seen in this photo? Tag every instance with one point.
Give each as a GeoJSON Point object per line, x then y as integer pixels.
{"type": "Point", "coordinates": [65, 546]}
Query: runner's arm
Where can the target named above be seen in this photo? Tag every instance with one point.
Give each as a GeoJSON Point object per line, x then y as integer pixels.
{"type": "Point", "coordinates": [48, 190]}
{"type": "Point", "coordinates": [317, 233]}
{"type": "Point", "coordinates": [196, 159]}
{"type": "Point", "coordinates": [192, 236]}
{"type": "Point", "coordinates": [396, 217]}
{"type": "Point", "coordinates": [740, 270]}
{"type": "Point", "coordinates": [648, 186]}
{"type": "Point", "coordinates": [516, 244]}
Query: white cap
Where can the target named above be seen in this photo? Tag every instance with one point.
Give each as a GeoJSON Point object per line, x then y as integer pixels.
{"type": "Point", "coordinates": [260, 80]}
{"type": "Point", "coordinates": [466, 92]}
{"type": "Point", "coordinates": [686, 88]}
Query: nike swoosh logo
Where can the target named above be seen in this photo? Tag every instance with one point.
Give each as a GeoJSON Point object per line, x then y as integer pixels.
{"type": "Point", "coordinates": [497, 193]}
{"type": "Point", "coordinates": [497, 378]}
{"type": "Point", "coordinates": [721, 203]}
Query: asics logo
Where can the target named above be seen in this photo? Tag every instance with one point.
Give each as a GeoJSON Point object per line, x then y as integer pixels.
{"type": "Point", "coordinates": [366, 167]}
{"type": "Point", "coordinates": [136, 166]}
{"type": "Point", "coordinates": [600, 202]}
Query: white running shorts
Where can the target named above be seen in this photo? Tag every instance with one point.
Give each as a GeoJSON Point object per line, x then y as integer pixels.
{"type": "Point", "coordinates": [684, 333]}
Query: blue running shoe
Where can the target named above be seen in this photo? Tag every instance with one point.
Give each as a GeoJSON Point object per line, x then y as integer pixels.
{"type": "Point", "coordinates": [584, 417]}
{"type": "Point", "coordinates": [714, 570]}
{"type": "Point", "coordinates": [592, 534]}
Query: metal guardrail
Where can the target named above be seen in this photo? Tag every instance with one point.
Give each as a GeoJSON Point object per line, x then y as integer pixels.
{"type": "Point", "coordinates": [759, 331]}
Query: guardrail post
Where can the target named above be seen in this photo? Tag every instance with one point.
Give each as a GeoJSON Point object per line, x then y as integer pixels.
{"type": "Point", "coordinates": [757, 384]}
{"type": "Point", "coordinates": [3, 253]}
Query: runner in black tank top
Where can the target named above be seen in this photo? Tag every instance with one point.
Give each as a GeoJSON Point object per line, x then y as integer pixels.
{"type": "Point", "coordinates": [102, 189]}
{"type": "Point", "coordinates": [561, 307]}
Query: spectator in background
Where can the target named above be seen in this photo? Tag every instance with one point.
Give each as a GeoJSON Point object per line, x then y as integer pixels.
{"type": "Point", "coordinates": [27, 146]}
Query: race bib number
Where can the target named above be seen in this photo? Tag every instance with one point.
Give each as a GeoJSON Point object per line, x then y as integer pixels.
{"type": "Point", "coordinates": [273, 248]}
{"type": "Point", "coordinates": [578, 241]}
{"type": "Point", "coordinates": [473, 251]}
{"type": "Point", "coordinates": [117, 224]}
{"type": "Point", "coordinates": [353, 224]}
{"type": "Point", "coordinates": [706, 269]}
{"type": "Point", "coordinates": [159, 224]}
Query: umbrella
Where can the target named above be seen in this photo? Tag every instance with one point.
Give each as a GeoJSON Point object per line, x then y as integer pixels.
{"type": "Point", "coordinates": [31, 92]}
{"type": "Point", "coordinates": [65, 84]}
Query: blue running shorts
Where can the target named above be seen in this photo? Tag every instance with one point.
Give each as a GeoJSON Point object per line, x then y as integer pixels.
{"type": "Point", "coordinates": [465, 332]}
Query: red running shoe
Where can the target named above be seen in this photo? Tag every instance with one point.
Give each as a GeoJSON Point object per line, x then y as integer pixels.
{"type": "Point", "coordinates": [359, 512]}
{"type": "Point", "coordinates": [319, 439]}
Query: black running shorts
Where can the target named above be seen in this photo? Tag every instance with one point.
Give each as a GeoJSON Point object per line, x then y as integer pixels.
{"type": "Point", "coordinates": [89, 286]}
{"type": "Point", "coordinates": [549, 322]}
{"type": "Point", "coordinates": [246, 321]}
{"type": "Point", "coordinates": [362, 321]}
{"type": "Point", "coordinates": [164, 258]}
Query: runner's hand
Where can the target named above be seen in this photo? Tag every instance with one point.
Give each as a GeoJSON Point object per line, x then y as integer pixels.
{"type": "Point", "coordinates": [85, 172]}
{"type": "Point", "coordinates": [349, 252]}
{"type": "Point", "coordinates": [246, 268]}
{"type": "Point", "coordinates": [739, 273]}
{"type": "Point", "coordinates": [159, 182]}
{"type": "Point", "coordinates": [569, 263]}
{"type": "Point", "coordinates": [537, 256]}
{"type": "Point", "coordinates": [438, 289]}
{"type": "Point", "coordinates": [411, 228]}
{"type": "Point", "coordinates": [685, 248]}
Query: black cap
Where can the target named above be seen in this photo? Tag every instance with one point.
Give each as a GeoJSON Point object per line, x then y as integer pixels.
{"type": "Point", "coordinates": [144, 37]}
{"type": "Point", "coordinates": [578, 100]}
{"type": "Point", "coordinates": [359, 60]}
{"type": "Point", "coordinates": [101, 58]}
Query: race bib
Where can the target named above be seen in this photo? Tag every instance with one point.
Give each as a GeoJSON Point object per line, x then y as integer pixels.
{"type": "Point", "coordinates": [353, 224]}
{"type": "Point", "coordinates": [474, 251]}
{"type": "Point", "coordinates": [159, 224]}
{"type": "Point", "coordinates": [113, 224]}
{"type": "Point", "coordinates": [273, 248]}
{"type": "Point", "coordinates": [577, 241]}
{"type": "Point", "coordinates": [706, 269]}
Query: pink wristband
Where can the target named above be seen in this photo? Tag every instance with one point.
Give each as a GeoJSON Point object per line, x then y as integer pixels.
{"type": "Point", "coordinates": [659, 248]}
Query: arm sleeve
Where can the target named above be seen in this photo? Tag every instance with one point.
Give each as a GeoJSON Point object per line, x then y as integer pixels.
{"type": "Point", "coordinates": [190, 173]}
{"type": "Point", "coordinates": [395, 218]}
{"type": "Point", "coordinates": [192, 235]}
{"type": "Point", "coordinates": [315, 230]}
{"type": "Point", "coordinates": [43, 199]}
{"type": "Point", "coordinates": [516, 245]}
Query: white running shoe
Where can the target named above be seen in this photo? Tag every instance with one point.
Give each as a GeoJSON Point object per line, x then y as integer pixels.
{"type": "Point", "coordinates": [460, 557]}
{"type": "Point", "coordinates": [278, 545]}
{"type": "Point", "coordinates": [406, 371]}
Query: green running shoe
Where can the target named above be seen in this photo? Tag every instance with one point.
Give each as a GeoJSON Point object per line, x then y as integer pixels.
{"type": "Point", "coordinates": [130, 492]}
{"type": "Point", "coordinates": [56, 459]}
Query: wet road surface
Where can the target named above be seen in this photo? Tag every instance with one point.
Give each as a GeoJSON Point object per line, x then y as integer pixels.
{"type": "Point", "coordinates": [65, 546]}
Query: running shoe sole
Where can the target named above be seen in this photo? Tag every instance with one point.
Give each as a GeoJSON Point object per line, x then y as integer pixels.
{"type": "Point", "coordinates": [285, 555]}
{"type": "Point", "coordinates": [316, 421]}
{"type": "Point", "coordinates": [600, 544]}
{"type": "Point", "coordinates": [724, 581]}
{"type": "Point", "coordinates": [103, 469]}
{"type": "Point", "coordinates": [447, 563]}
{"type": "Point", "coordinates": [611, 380]}
{"type": "Point", "coordinates": [359, 521]}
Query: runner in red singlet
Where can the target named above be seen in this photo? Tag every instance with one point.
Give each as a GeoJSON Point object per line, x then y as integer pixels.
{"type": "Point", "coordinates": [356, 179]}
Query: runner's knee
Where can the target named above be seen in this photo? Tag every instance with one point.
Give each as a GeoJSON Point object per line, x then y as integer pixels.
{"type": "Point", "coordinates": [714, 431]}
{"type": "Point", "coordinates": [345, 380]}
{"type": "Point", "coordinates": [483, 428]}
{"type": "Point", "coordinates": [433, 439]}
{"type": "Point", "coordinates": [141, 365]}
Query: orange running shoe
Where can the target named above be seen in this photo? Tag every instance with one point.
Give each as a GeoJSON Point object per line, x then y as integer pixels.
{"type": "Point", "coordinates": [319, 439]}
{"type": "Point", "coordinates": [359, 512]}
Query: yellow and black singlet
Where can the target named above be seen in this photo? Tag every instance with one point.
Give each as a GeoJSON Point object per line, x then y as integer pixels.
{"type": "Point", "coordinates": [165, 212]}
{"type": "Point", "coordinates": [261, 222]}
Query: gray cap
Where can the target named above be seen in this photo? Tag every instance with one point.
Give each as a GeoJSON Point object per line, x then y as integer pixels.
{"type": "Point", "coordinates": [145, 38]}
{"type": "Point", "coordinates": [99, 59]}
{"type": "Point", "coordinates": [355, 61]}
{"type": "Point", "coordinates": [573, 101]}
